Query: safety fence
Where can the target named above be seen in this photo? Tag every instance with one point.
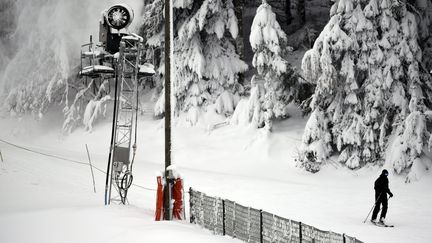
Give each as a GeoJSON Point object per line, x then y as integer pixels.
{"type": "Point", "coordinates": [225, 217]}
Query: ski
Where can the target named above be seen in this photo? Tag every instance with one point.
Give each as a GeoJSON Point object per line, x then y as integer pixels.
{"type": "Point", "coordinates": [383, 225]}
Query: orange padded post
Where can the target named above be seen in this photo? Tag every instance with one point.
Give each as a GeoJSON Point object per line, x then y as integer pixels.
{"type": "Point", "coordinates": [177, 194]}
{"type": "Point", "coordinates": [159, 200]}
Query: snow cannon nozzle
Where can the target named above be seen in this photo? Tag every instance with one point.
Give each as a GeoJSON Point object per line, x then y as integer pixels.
{"type": "Point", "coordinates": [119, 16]}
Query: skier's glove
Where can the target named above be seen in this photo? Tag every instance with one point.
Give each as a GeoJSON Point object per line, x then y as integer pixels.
{"type": "Point", "coordinates": [391, 194]}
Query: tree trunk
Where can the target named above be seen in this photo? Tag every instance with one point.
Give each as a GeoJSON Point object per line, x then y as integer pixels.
{"type": "Point", "coordinates": [239, 41]}
{"type": "Point", "coordinates": [301, 10]}
{"type": "Point", "coordinates": [288, 11]}
{"type": "Point", "coordinates": [238, 9]}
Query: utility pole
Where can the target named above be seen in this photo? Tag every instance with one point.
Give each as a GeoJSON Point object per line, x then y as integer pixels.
{"type": "Point", "coordinates": [168, 55]}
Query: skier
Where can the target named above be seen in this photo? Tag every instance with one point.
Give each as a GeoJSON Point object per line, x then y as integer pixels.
{"type": "Point", "coordinates": [381, 190]}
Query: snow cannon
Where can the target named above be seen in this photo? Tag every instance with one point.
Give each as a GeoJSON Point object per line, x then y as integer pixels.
{"type": "Point", "coordinates": [117, 62]}
{"type": "Point", "coordinates": [113, 26]}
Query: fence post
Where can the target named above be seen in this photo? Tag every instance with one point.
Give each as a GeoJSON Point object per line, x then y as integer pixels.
{"type": "Point", "coordinates": [234, 223]}
{"type": "Point", "coordinates": [223, 216]}
{"type": "Point", "coordinates": [191, 216]}
{"type": "Point", "coordinates": [300, 232]}
{"type": "Point", "coordinates": [261, 227]}
{"type": "Point", "coordinates": [343, 238]}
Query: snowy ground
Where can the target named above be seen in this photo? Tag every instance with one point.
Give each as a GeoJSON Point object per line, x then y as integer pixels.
{"type": "Point", "coordinates": [49, 200]}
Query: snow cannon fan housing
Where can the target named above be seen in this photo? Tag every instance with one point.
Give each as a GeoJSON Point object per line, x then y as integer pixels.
{"type": "Point", "coordinates": [114, 21]}
{"type": "Point", "coordinates": [119, 16]}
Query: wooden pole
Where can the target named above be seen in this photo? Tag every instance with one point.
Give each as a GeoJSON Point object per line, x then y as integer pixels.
{"type": "Point", "coordinates": [91, 169]}
{"type": "Point", "coordinates": [168, 53]}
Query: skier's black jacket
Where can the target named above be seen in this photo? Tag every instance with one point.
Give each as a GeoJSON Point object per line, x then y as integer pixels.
{"type": "Point", "coordinates": [382, 186]}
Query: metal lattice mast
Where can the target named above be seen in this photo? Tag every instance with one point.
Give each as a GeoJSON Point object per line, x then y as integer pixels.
{"type": "Point", "coordinates": [120, 173]}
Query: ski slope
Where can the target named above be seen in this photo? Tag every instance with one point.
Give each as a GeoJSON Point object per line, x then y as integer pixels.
{"type": "Point", "coordinates": [45, 199]}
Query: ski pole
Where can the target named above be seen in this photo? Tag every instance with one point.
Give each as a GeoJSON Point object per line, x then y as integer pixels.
{"type": "Point", "coordinates": [372, 207]}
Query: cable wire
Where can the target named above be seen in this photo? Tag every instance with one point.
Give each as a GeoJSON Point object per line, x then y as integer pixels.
{"type": "Point", "coordinates": [69, 160]}
{"type": "Point", "coordinates": [41, 153]}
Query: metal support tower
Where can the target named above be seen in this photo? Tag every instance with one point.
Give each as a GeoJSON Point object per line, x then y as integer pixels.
{"type": "Point", "coordinates": [120, 163]}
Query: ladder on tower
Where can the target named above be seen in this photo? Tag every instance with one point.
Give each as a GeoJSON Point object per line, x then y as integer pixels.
{"type": "Point", "coordinates": [119, 176]}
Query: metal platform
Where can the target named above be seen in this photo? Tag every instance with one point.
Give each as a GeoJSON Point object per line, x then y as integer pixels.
{"type": "Point", "coordinates": [95, 62]}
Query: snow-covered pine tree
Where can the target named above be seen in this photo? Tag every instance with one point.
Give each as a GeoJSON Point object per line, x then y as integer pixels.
{"type": "Point", "coordinates": [42, 72]}
{"type": "Point", "coordinates": [269, 44]}
{"type": "Point", "coordinates": [330, 65]}
{"type": "Point", "coordinates": [8, 10]}
{"type": "Point", "coordinates": [190, 88]}
{"type": "Point", "coordinates": [405, 94]}
{"type": "Point", "coordinates": [422, 9]}
{"type": "Point", "coordinates": [223, 66]}
{"type": "Point", "coordinates": [152, 22]}
{"type": "Point", "coordinates": [206, 63]}
{"type": "Point", "coordinates": [38, 73]}
{"type": "Point", "coordinates": [366, 66]}
{"type": "Point", "coordinates": [423, 13]}
{"type": "Point", "coordinates": [152, 29]}
{"type": "Point", "coordinates": [369, 76]}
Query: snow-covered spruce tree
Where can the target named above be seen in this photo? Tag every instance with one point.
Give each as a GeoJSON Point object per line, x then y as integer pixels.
{"type": "Point", "coordinates": [406, 98]}
{"type": "Point", "coordinates": [330, 102]}
{"type": "Point", "coordinates": [8, 10]}
{"type": "Point", "coordinates": [423, 12]}
{"type": "Point", "coordinates": [152, 29]}
{"type": "Point", "coordinates": [269, 44]}
{"type": "Point", "coordinates": [206, 63]}
{"type": "Point", "coordinates": [37, 74]}
{"type": "Point", "coordinates": [190, 89]}
{"type": "Point", "coordinates": [152, 22]}
{"type": "Point", "coordinates": [42, 72]}
{"type": "Point", "coordinates": [369, 76]}
{"type": "Point", "coordinates": [365, 65]}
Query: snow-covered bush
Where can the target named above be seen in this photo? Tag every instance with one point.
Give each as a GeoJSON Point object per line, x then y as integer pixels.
{"type": "Point", "coordinates": [365, 64]}
{"type": "Point", "coordinates": [250, 111]}
{"type": "Point", "coordinates": [96, 107]}
{"type": "Point", "coordinates": [86, 106]}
